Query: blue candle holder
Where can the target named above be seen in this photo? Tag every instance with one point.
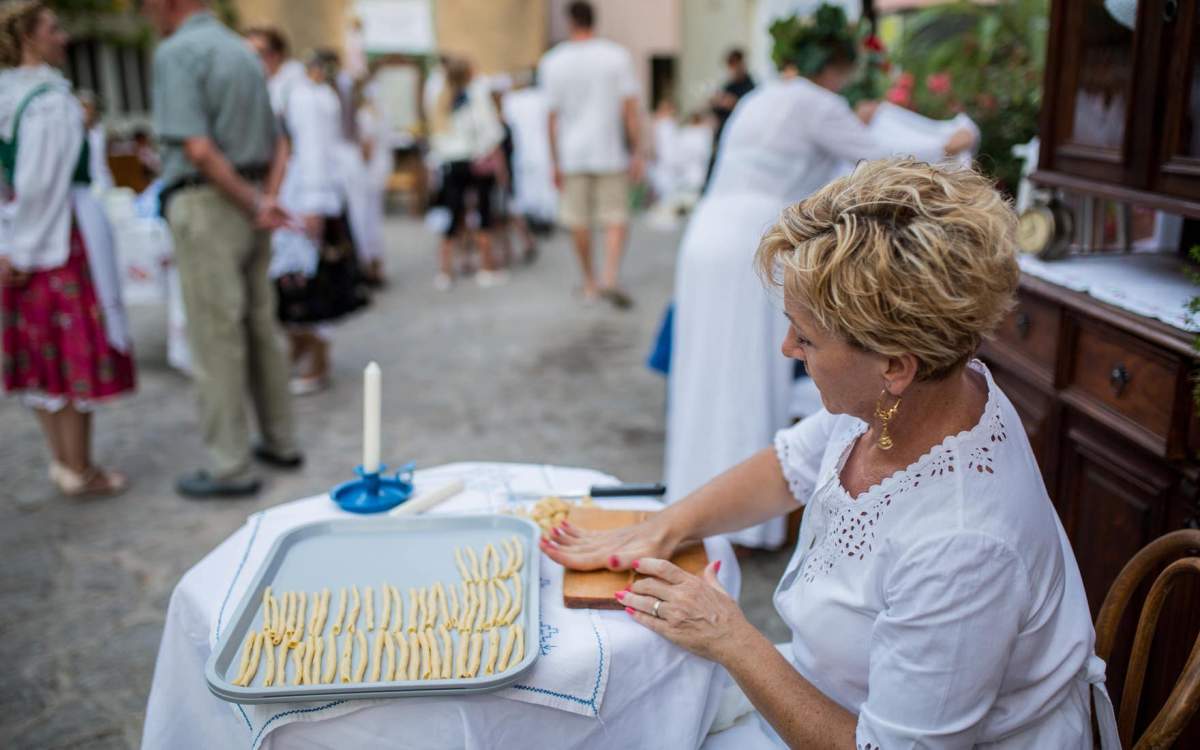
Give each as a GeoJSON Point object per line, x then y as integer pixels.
{"type": "Point", "coordinates": [374, 492]}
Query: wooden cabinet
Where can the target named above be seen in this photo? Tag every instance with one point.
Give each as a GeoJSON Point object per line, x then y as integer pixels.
{"type": "Point", "coordinates": [1121, 102]}
{"type": "Point", "coordinates": [1105, 398]}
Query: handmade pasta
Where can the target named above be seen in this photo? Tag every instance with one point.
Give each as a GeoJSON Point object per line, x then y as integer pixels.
{"type": "Point", "coordinates": [360, 668]}
{"type": "Point", "coordinates": [310, 651]}
{"type": "Point", "coordinates": [347, 650]}
{"type": "Point", "coordinates": [246, 649]}
{"type": "Point", "coordinates": [266, 610]}
{"type": "Point", "coordinates": [495, 560]}
{"type": "Point", "coordinates": [414, 656]}
{"type": "Point", "coordinates": [435, 654]}
{"type": "Point", "coordinates": [298, 663]}
{"type": "Point", "coordinates": [447, 652]}
{"type": "Point", "coordinates": [506, 652]}
{"type": "Point", "coordinates": [474, 565]}
{"type": "Point", "coordinates": [464, 646]}
{"type": "Point", "coordinates": [369, 607]}
{"type": "Point", "coordinates": [341, 612]}
{"type": "Point", "coordinates": [277, 619]}
{"type": "Point", "coordinates": [481, 611]}
{"type": "Point", "coordinates": [519, 650]}
{"type": "Point", "coordinates": [490, 620]}
{"type": "Point", "coordinates": [502, 610]}
{"type": "Point", "coordinates": [462, 566]}
{"type": "Point", "coordinates": [385, 611]}
{"type": "Point", "coordinates": [377, 657]}
{"type": "Point", "coordinates": [444, 609]}
{"type": "Point", "coordinates": [325, 595]}
{"type": "Point", "coordinates": [493, 651]}
{"type": "Point", "coordinates": [352, 615]}
{"type": "Point", "coordinates": [389, 655]}
{"type": "Point", "coordinates": [397, 611]}
{"type": "Point", "coordinates": [281, 665]}
{"type": "Point", "coordinates": [473, 660]}
{"type": "Point", "coordinates": [289, 622]}
{"type": "Point", "coordinates": [269, 674]}
{"type": "Point", "coordinates": [298, 633]}
{"type": "Point", "coordinates": [453, 621]}
{"type": "Point", "coordinates": [330, 659]}
{"type": "Point", "coordinates": [401, 656]}
{"type": "Point", "coordinates": [518, 600]}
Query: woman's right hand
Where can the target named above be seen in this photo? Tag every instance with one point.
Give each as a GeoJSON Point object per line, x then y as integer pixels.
{"type": "Point", "coordinates": [614, 549]}
{"type": "Point", "coordinates": [9, 275]}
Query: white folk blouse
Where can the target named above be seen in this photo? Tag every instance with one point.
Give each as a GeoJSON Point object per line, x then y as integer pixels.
{"type": "Point", "coordinates": [943, 606]}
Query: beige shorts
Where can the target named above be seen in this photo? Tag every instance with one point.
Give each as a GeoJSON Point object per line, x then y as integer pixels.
{"type": "Point", "coordinates": [589, 199]}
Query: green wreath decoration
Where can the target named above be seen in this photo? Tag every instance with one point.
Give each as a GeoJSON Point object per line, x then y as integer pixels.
{"type": "Point", "coordinates": [811, 42]}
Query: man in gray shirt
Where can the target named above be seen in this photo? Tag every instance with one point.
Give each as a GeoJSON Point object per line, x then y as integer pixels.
{"type": "Point", "coordinates": [221, 171]}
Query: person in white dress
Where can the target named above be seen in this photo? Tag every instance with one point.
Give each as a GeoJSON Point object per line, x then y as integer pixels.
{"type": "Point", "coordinates": [375, 139]}
{"type": "Point", "coordinates": [527, 112]}
{"type": "Point", "coordinates": [728, 386]}
{"type": "Point", "coordinates": [283, 72]}
{"type": "Point", "coordinates": [933, 597]}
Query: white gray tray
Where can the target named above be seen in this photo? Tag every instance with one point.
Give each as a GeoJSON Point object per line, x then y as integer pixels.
{"type": "Point", "coordinates": [405, 552]}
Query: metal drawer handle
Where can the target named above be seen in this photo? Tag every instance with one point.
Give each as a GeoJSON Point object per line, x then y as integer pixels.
{"type": "Point", "coordinates": [1118, 378]}
{"type": "Point", "coordinates": [1024, 323]}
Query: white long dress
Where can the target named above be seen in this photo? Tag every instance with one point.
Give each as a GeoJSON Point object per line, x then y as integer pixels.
{"type": "Point", "coordinates": [729, 385]}
{"type": "Point", "coordinates": [310, 185]}
{"type": "Point", "coordinates": [374, 131]}
{"type": "Point", "coordinates": [943, 606]}
{"type": "Point", "coordinates": [527, 113]}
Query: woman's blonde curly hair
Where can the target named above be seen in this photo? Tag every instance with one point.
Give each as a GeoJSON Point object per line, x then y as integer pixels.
{"type": "Point", "coordinates": [900, 257]}
{"type": "Point", "coordinates": [18, 19]}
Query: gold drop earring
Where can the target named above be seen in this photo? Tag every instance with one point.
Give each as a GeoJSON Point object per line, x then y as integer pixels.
{"type": "Point", "coordinates": [885, 416]}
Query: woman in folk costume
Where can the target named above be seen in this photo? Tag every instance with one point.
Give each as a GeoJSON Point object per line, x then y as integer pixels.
{"type": "Point", "coordinates": [729, 385]}
{"type": "Point", "coordinates": [375, 137]}
{"type": "Point", "coordinates": [314, 263]}
{"type": "Point", "coordinates": [66, 345]}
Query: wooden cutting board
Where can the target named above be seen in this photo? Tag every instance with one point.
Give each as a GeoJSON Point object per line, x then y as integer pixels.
{"type": "Point", "coordinates": [595, 589]}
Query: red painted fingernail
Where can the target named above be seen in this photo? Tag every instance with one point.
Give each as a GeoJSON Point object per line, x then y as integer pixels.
{"type": "Point", "coordinates": [614, 562]}
{"type": "Point", "coordinates": [566, 525]}
{"type": "Point", "coordinates": [620, 595]}
{"type": "Point", "coordinates": [635, 564]}
{"type": "Point", "coordinates": [555, 531]}
{"type": "Point", "coordinates": [629, 610]}
{"type": "Point", "coordinates": [717, 567]}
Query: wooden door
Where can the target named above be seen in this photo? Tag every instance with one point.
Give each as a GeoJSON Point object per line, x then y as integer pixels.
{"type": "Point", "coordinates": [1178, 168]}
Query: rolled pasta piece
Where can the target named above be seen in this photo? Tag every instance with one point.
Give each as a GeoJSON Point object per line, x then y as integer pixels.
{"type": "Point", "coordinates": [447, 652]}
{"type": "Point", "coordinates": [493, 651]}
{"type": "Point", "coordinates": [325, 595]}
{"type": "Point", "coordinates": [369, 607]}
{"type": "Point", "coordinates": [426, 606]}
{"type": "Point", "coordinates": [412, 610]}
{"type": "Point", "coordinates": [397, 611]}
{"type": "Point", "coordinates": [435, 654]}
{"type": "Point", "coordinates": [269, 674]}
{"type": "Point", "coordinates": [520, 547]}
{"type": "Point", "coordinates": [481, 612]}
{"type": "Point", "coordinates": [401, 656]}
{"type": "Point", "coordinates": [509, 555]}
{"type": "Point", "coordinates": [443, 608]}
{"type": "Point", "coordinates": [506, 652]}
{"type": "Point", "coordinates": [506, 601]}
{"type": "Point", "coordinates": [245, 662]}
{"type": "Point", "coordinates": [289, 617]}
{"type": "Point", "coordinates": [476, 647]}
{"type": "Point", "coordinates": [352, 615]}
{"type": "Point", "coordinates": [298, 663]}
{"type": "Point", "coordinates": [426, 655]}
{"type": "Point", "coordinates": [385, 610]}
{"type": "Point", "coordinates": [389, 655]}
{"type": "Point", "coordinates": [344, 671]}
{"type": "Point", "coordinates": [467, 613]}
{"type": "Point", "coordinates": [331, 655]}
{"type": "Point", "coordinates": [518, 600]}
{"type": "Point", "coordinates": [281, 665]}
{"type": "Point", "coordinates": [341, 612]}
{"type": "Point", "coordinates": [493, 605]}
{"type": "Point", "coordinates": [266, 610]}
{"type": "Point", "coordinates": [495, 561]}
{"type": "Point", "coordinates": [377, 656]}
{"type": "Point", "coordinates": [256, 657]}
{"type": "Point", "coordinates": [474, 564]}
{"type": "Point", "coordinates": [414, 656]}
{"type": "Point", "coordinates": [360, 668]}
{"type": "Point", "coordinates": [462, 566]}
{"type": "Point", "coordinates": [277, 619]}
{"type": "Point", "coordinates": [519, 649]}
{"type": "Point", "coordinates": [483, 560]}
{"type": "Point", "coordinates": [298, 633]}
{"type": "Point", "coordinates": [464, 646]}
{"type": "Point", "coordinates": [315, 616]}
{"type": "Point", "coordinates": [310, 650]}
{"type": "Point", "coordinates": [453, 621]}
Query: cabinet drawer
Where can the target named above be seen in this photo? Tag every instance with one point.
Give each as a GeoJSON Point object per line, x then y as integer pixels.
{"type": "Point", "coordinates": [1032, 329]}
{"type": "Point", "coordinates": [1138, 384]}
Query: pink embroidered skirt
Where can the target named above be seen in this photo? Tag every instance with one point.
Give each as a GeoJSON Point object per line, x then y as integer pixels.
{"type": "Point", "coordinates": [54, 345]}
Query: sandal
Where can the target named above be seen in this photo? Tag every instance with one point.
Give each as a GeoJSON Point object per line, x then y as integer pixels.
{"type": "Point", "coordinates": [94, 482]}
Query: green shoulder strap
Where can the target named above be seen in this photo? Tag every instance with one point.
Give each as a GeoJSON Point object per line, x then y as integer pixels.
{"type": "Point", "coordinates": [8, 148]}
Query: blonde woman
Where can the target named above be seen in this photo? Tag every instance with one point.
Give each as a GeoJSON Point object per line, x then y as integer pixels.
{"type": "Point", "coordinates": [933, 598]}
{"type": "Point", "coordinates": [66, 345]}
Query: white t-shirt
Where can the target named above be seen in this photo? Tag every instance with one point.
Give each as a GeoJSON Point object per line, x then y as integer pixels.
{"type": "Point", "coordinates": [586, 83]}
{"type": "Point", "coordinates": [943, 606]}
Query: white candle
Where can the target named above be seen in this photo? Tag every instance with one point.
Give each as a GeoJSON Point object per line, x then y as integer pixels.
{"type": "Point", "coordinates": [372, 378]}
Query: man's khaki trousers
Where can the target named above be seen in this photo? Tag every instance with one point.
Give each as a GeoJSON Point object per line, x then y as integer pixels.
{"type": "Point", "coordinates": [233, 332]}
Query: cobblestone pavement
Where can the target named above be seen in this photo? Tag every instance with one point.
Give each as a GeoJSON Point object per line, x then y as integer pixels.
{"type": "Point", "coordinates": [524, 372]}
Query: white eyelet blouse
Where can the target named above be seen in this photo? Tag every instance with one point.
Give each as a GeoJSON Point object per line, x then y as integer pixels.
{"type": "Point", "coordinates": [943, 606]}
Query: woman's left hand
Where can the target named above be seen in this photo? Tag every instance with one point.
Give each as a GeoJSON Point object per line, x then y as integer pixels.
{"type": "Point", "coordinates": [695, 612]}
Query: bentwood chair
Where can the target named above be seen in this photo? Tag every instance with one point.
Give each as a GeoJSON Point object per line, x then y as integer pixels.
{"type": "Point", "coordinates": [1180, 549]}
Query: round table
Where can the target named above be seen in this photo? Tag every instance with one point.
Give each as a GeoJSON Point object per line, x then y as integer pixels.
{"type": "Point", "coordinates": [601, 679]}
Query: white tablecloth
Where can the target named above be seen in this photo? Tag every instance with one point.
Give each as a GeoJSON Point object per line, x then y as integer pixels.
{"type": "Point", "coordinates": [656, 694]}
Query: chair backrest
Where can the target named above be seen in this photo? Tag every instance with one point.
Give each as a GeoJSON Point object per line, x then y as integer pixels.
{"type": "Point", "coordinates": [1180, 550]}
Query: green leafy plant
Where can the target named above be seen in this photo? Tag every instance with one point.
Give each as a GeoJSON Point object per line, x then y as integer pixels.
{"type": "Point", "coordinates": [984, 60]}
{"type": "Point", "coordinates": [809, 42]}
